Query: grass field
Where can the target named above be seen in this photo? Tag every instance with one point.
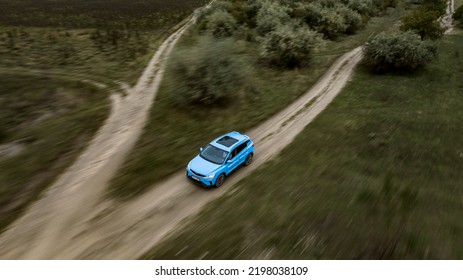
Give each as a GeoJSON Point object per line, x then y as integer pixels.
{"type": "Point", "coordinates": [56, 71]}
{"type": "Point", "coordinates": [106, 14]}
{"type": "Point", "coordinates": [174, 134]}
{"type": "Point", "coordinates": [44, 124]}
{"type": "Point", "coordinates": [81, 38]}
{"type": "Point", "coordinates": [377, 175]}
{"type": "Point", "coordinates": [106, 56]}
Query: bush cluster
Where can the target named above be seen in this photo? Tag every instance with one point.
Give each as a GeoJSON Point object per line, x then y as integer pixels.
{"type": "Point", "coordinates": [206, 73]}
{"type": "Point", "coordinates": [221, 24]}
{"type": "Point", "coordinates": [458, 16]}
{"type": "Point", "coordinates": [398, 51]}
{"type": "Point", "coordinates": [288, 32]}
{"type": "Point", "coordinates": [271, 16]}
{"type": "Point", "coordinates": [423, 20]}
{"type": "Point", "coordinates": [289, 47]}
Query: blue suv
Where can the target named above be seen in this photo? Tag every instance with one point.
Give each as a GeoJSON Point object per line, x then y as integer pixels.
{"type": "Point", "coordinates": [220, 158]}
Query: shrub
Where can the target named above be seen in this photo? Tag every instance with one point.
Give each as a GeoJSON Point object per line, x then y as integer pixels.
{"type": "Point", "coordinates": [289, 47]}
{"type": "Point", "coordinates": [251, 9]}
{"type": "Point", "coordinates": [352, 19]}
{"type": "Point", "coordinates": [221, 24]}
{"type": "Point", "coordinates": [458, 15]}
{"type": "Point", "coordinates": [382, 5]}
{"type": "Point", "coordinates": [223, 6]}
{"type": "Point", "coordinates": [245, 33]}
{"type": "Point", "coordinates": [439, 6]}
{"type": "Point", "coordinates": [363, 7]}
{"type": "Point", "coordinates": [205, 74]}
{"type": "Point", "coordinates": [270, 16]}
{"type": "Point", "coordinates": [424, 23]}
{"type": "Point", "coordinates": [400, 51]}
{"type": "Point", "coordinates": [326, 21]}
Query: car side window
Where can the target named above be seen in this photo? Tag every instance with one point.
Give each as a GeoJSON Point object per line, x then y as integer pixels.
{"type": "Point", "coordinates": [233, 153]}
{"type": "Point", "coordinates": [241, 147]}
{"type": "Point", "coordinates": [238, 149]}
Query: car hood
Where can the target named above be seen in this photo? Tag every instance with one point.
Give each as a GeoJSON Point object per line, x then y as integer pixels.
{"type": "Point", "coordinates": [202, 166]}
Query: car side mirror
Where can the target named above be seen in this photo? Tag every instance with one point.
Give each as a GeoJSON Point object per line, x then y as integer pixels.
{"type": "Point", "coordinates": [201, 150]}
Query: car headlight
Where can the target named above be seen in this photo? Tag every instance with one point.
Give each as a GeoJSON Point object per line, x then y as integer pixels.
{"type": "Point", "coordinates": [188, 167]}
{"type": "Point", "coordinates": [210, 176]}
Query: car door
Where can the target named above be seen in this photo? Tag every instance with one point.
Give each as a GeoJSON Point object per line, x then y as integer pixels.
{"type": "Point", "coordinates": [241, 156]}
{"type": "Point", "coordinates": [237, 156]}
{"type": "Point", "coordinates": [233, 160]}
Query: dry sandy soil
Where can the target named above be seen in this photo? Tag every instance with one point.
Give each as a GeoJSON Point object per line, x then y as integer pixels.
{"type": "Point", "coordinates": [73, 221]}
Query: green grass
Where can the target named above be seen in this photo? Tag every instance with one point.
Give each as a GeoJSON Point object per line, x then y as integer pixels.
{"type": "Point", "coordinates": [110, 46]}
{"type": "Point", "coordinates": [98, 55]}
{"type": "Point", "coordinates": [377, 175]}
{"type": "Point", "coordinates": [45, 104]}
{"type": "Point", "coordinates": [104, 14]}
{"type": "Point", "coordinates": [174, 134]}
{"type": "Point", "coordinates": [458, 3]}
{"type": "Point", "coordinates": [52, 121]}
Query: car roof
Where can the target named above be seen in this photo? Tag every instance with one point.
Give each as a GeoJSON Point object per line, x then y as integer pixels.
{"type": "Point", "coordinates": [229, 141]}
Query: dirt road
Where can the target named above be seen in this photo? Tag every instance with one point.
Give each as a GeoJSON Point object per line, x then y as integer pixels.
{"type": "Point", "coordinates": [447, 20]}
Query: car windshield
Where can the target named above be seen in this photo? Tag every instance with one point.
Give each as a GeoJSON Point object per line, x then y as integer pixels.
{"type": "Point", "coordinates": [214, 154]}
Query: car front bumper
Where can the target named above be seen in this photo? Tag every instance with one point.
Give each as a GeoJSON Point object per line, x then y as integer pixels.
{"type": "Point", "coordinates": [208, 183]}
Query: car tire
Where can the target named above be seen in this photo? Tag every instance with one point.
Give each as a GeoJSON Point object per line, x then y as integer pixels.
{"type": "Point", "coordinates": [248, 160]}
{"type": "Point", "coordinates": [220, 180]}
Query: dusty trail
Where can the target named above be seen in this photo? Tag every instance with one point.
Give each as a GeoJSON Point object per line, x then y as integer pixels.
{"type": "Point", "coordinates": [447, 20]}
{"type": "Point", "coordinates": [51, 223]}
{"type": "Point", "coordinates": [126, 231]}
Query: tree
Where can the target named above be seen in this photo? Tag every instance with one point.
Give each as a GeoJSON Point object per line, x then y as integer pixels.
{"type": "Point", "coordinates": [352, 19]}
{"type": "Point", "coordinates": [382, 5]}
{"type": "Point", "coordinates": [424, 22]}
{"type": "Point", "coordinates": [439, 6]}
{"type": "Point", "coordinates": [325, 20]}
{"type": "Point", "coordinates": [289, 46]}
{"type": "Point", "coordinates": [205, 74]}
{"type": "Point", "coordinates": [270, 16]}
{"type": "Point", "coordinates": [399, 51]}
{"type": "Point", "coordinates": [458, 15]}
{"type": "Point", "coordinates": [363, 7]}
{"type": "Point", "coordinates": [221, 24]}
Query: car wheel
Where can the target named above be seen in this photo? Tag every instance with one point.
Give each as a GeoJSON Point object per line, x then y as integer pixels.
{"type": "Point", "coordinates": [220, 180]}
{"type": "Point", "coordinates": [248, 160]}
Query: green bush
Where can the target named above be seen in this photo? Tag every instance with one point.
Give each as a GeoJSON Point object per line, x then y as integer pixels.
{"type": "Point", "coordinates": [325, 20]}
{"type": "Point", "coordinates": [352, 19]}
{"type": "Point", "coordinates": [363, 7]}
{"type": "Point", "coordinates": [221, 24]}
{"type": "Point", "coordinates": [206, 73]}
{"type": "Point", "coordinates": [223, 6]}
{"type": "Point", "coordinates": [400, 51]}
{"type": "Point", "coordinates": [458, 16]}
{"type": "Point", "coordinates": [424, 22]}
{"type": "Point", "coordinates": [270, 16]}
{"type": "Point", "coordinates": [382, 5]}
{"type": "Point", "coordinates": [289, 46]}
{"type": "Point", "coordinates": [439, 6]}
{"type": "Point", "coordinates": [245, 33]}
